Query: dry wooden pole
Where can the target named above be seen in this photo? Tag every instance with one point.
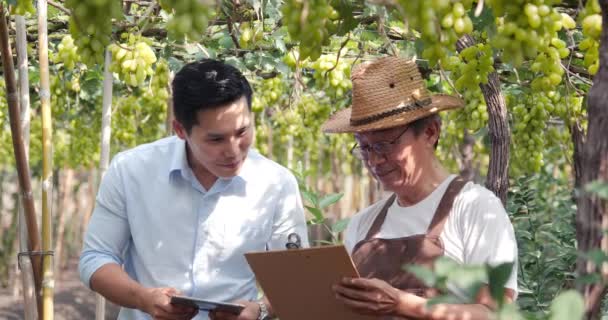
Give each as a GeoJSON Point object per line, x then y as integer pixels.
{"type": "Point", "coordinates": [592, 213]}
{"type": "Point", "coordinates": [106, 131]}
{"type": "Point", "coordinates": [23, 169]}
{"type": "Point", "coordinates": [48, 283]}
{"type": "Point", "coordinates": [27, 278]}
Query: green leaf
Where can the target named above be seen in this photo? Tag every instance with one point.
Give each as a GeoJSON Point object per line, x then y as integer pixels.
{"type": "Point", "coordinates": [311, 197]}
{"type": "Point", "coordinates": [424, 274]}
{"type": "Point", "coordinates": [599, 188]}
{"type": "Point", "coordinates": [569, 305]}
{"type": "Point", "coordinates": [509, 311]}
{"type": "Point", "coordinates": [597, 256]}
{"type": "Point", "coordinates": [340, 225]}
{"type": "Point", "coordinates": [498, 277]}
{"type": "Point", "coordinates": [318, 215]}
{"type": "Point", "coordinates": [444, 266]}
{"type": "Point", "coordinates": [329, 200]}
{"type": "Point", "coordinates": [591, 278]}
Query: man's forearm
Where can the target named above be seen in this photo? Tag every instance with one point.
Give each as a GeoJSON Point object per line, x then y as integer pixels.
{"type": "Point", "coordinates": [112, 282]}
{"type": "Point", "coordinates": [415, 307]}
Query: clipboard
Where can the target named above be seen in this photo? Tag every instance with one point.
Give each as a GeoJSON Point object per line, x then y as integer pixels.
{"type": "Point", "coordinates": [208, 305]}
{"type": "Point", "coordinates": [298, 282]}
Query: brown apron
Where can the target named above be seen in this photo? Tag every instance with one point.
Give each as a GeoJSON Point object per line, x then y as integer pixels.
{"type": "Point", "coordinates": [384, 258]}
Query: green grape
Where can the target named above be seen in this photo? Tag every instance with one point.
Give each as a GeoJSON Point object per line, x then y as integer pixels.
{"type": "Point", "coordinates": [471, 67]}
{"type": "Point", "coordinates": [591, 21]}
{"type": "Point", "coordinates": [67, 53]}
{"type": "Point", "coordinates": [190, 17]}
{"type": "Point", "coordinates": [132, 61]}
{"type": "Point", "coordinates": [524, 28]}
{"type": "Point", "coordinates": [308, 22]}
{"type": "Point", "coordinates": [90, 29]}
{"type": "Point", "coordinates": [23, 7]}
{"type": "Point", "coordinates": [335, 82]}
{"type": "Point", "coordinates": [248, 34]}
{"type": "Point", "coordinates": [440, 23]}
{"type": "Point", "coordinates": [530, 116]}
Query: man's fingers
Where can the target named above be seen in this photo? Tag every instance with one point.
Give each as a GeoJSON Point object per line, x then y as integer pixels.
{"type": "Point", "coordinates": [359, 283]}
{"type": "Point", "coordinates": [219, 315]}
{"type": "Point", "coordinates": [354, 294]}
{"type": "Point", "coordinates": [359, 306]}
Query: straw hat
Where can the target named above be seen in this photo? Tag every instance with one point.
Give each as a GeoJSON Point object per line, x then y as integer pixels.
{"type": "Point", "coordinates": [387, 93]}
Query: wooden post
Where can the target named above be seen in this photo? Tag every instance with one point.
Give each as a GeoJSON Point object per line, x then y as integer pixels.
{"type": "Point", "coordinates": [30, 309]}
{"type": "Point", "coordinates": [48, 283]}
{"type": "Point", "coordinates": [23, 169]}
{"type": "Point", "coordinates": [106, 131]}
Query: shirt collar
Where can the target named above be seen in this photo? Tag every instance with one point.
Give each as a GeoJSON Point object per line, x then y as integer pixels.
{"type": "Point", "coordinates": [179, 165]}
{"type": "Point", "coordinates": [179, 160]}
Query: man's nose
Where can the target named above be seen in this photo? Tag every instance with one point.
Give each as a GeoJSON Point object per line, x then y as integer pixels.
{"type": "Point", "coordinates": [232, 148]}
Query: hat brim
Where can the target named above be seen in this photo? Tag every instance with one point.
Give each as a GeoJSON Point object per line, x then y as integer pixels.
{"type": "Point", "coordinates": [339, 122]}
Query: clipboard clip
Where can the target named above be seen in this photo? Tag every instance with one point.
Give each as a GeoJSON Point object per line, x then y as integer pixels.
{"type": "Point", "coordinates": [293, 241]}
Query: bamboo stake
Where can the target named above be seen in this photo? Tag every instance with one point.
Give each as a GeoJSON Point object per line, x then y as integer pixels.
{"type": "Point", "coordinates": [29, 307]}
{"type": "Point", "coordinates": [23, 169]}
{"type": "Point", "coordinates": [104, 160]}
{"type": "Point", "coordinates": [48, 283]}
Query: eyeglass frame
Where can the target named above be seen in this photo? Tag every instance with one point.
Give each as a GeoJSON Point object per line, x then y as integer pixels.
{"type": "Point", "coordinates": [358, 151]}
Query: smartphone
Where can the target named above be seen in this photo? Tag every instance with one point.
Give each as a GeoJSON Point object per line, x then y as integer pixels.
{"type": "Point", "coordinates": [208, 305]}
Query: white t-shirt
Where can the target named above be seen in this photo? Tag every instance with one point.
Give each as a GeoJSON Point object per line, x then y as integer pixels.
{"type": "Point", "coordinates": [476, 231]}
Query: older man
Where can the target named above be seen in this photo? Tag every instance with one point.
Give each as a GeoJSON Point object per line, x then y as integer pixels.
{"type": "Point", "coordinates": [431, 213]}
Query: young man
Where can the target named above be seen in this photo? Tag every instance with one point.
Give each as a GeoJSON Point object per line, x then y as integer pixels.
{"type": "Point", "coordinates": [431, 212]}
{"type": "Point", "coordinates": [177, 215]}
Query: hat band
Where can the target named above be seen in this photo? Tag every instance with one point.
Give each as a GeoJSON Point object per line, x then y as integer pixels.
{"type": "Point", "coordinates": [408, 107]}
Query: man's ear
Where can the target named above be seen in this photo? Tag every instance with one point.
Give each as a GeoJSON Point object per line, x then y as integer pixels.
{"type": "Point", "coordinates": [179, 129]}
{"type": "Point", "coordinates": [432, 132]}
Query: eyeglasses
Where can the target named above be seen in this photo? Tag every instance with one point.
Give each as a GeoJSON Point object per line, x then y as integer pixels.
{"type": "Point", "coordinates": [379, 148]}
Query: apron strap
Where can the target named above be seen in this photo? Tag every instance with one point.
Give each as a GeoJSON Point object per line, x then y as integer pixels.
{"type": "Point", "coordinates": [445, 206]}
{"type": "Point", "coordinates": [379, 220]}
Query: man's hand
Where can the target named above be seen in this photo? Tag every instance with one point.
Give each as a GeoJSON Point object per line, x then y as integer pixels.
{"type": "Point", "coordinates": [157, 303]}
{"type": "Point", "coordinates": [372, 297]}
{"type": "Point", "coordinates": [251, 312]}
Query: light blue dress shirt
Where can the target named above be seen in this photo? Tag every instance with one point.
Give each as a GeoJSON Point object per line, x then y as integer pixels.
{"type": "Point", "coordinates": [153, 217]}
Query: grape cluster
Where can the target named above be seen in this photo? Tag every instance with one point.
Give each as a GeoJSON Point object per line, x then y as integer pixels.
{"type": "Point", "coordinates": [133, 60]}
{"type": "Point", "coordinates": [335, 82]}
{"type": "Point", "coordinates": [440, 23]}
{"type": "Point", "coordinates": [591, 21]}
{"type": "Point", "coordinates": [525, 27]}
{"type": "Point", "coordinates": [91, 27]}
{"type": "Point", "coordinates": [548, 63]}
{"type": "Point", "coordinates": [67, 53]}
{"type": "Point", "coordinates": [471, 67]}
{"type": "Point", "coordinates": [189, 19]}
{"type": "Point", "coordinates": [269, 93]}
{"type": "Point", "coordinates": [248, 34]}
{"type": "Point", "coordinates": [310, 23]}
{"type": "Point", "coordinates": [139, 116]}
{"type": "Point", "coordinates": [23, 7]}
{"type": "Point", "coordinates": [529, 127]}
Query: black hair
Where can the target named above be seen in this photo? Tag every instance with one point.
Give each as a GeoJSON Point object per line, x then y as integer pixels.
{"type": "Point", "coordinates": [419, 125]}
{"type": "Point", "coordinates": [204, 85]}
